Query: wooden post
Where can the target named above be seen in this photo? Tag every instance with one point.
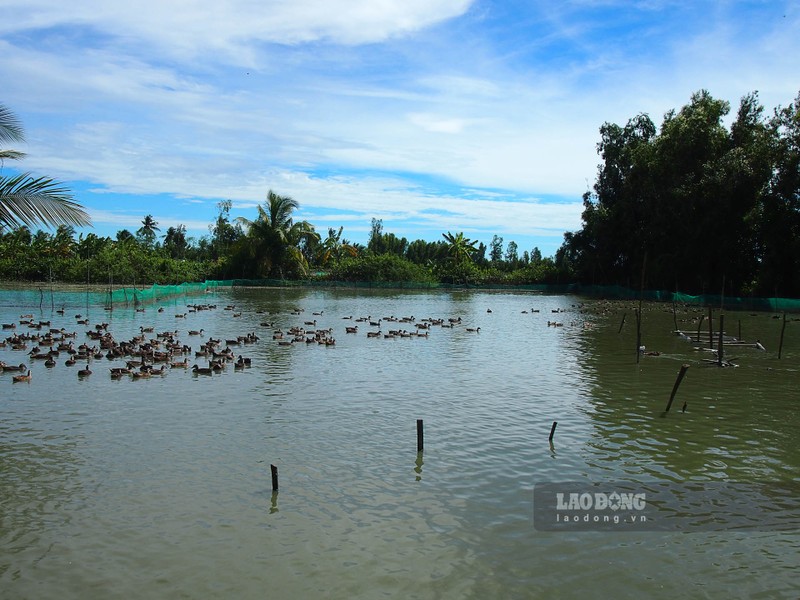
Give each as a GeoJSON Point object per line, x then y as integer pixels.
{"type": "Point", "coordinates": [638, 334]}
{"type": "Point", "coordinates": [710, 328]}
{"type": "Point", "coordinates": [420, 436]}
{"type": "Point", "coordinates": [674, 313]}
{"type": "Point", "coordinates": [552, 431]}
{"type": "Point", "coordinates": [622, 323]}
{"type": "Point", "coordinates": [699, 325]}
{"type": "Point", "coordinates": [720, 351]}
{"type": "Point", "coordinates": [684, 368]}
{"type": "Point", "coordinates": [274, 470]}
{"type": "Point", "coordinates": [783, 328]}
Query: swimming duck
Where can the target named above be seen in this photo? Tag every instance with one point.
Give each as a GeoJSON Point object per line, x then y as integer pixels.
{"type": "Point", "coordinates": [19, 378]}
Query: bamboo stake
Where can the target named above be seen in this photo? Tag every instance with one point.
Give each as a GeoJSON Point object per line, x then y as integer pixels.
{"type": "Point", "coordinates": [683, 370]}
{"type": "Point", "coordinates": [699, 325]}
{"type": "Point", "coordinates": [783, 328]}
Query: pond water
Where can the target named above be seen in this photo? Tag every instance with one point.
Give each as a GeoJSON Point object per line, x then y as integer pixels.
{"type": "Point", "coordinates": [160, 487]}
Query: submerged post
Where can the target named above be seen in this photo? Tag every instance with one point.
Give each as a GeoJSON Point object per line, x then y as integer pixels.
{"type": "Point", "coordinates": [274, 470]}
{"type": "Point", "coordinates": [699, 325]}
{"type": "Point", "coordinates": [684, 368]}
{"type": "Point", "coordinates": [420, 436]}
{"type": "Point", "coordinates": [674, 313]}
{"type": "Point", "coordinates": [710, 327]}
{"type": "Point", "coordinates": [638, 334]}
{"type": "Point", "coordinates": [622, 323]}
{"type": "Point", "coordinates": [783, 328]}
{"type": "Point", "coordinates": [552, 431]}
{"type": "Point", "coordinates": [720, 351]}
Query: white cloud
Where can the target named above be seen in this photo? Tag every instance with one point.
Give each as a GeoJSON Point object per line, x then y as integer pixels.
{"type": "Point", "coordinates": [186, 28]}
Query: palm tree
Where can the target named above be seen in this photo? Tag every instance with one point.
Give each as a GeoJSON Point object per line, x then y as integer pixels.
{"type": "Point", "coordinates": [28, 200]}
{"type": "Point", "coordinates": [459, 247]}
{"type": "Point", "coordinates": [274, 240]}
{"type": "Point", "coordinates": [147, 232]}
{"type": "Point", "coordinates": [334, 247]}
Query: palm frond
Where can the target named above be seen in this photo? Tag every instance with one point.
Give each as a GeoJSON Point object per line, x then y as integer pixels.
{"type": "Point", "coordinates": [10, 127]}
{"type": "Point", "coordinates": [32, 201]}
{"type": "Point", "coordinates": [11, 155]}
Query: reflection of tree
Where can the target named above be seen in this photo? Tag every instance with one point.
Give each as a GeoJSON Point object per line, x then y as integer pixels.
{"type": "Point", "coordinates": [714, 439]}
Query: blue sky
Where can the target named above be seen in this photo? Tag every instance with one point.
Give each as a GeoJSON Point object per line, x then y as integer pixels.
{"type": "Point", "coordinates": [432, 115]}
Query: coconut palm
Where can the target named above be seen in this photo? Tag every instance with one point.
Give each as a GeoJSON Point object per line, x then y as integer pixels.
{"type": "Point", "coordinates": [274, 240]}
{"type": "Point", "coordinates": [28, 200]}
{"type": "Point", "coordinates": [147, 232]}
{"type": "Point", "coordinates": [459, 248]}
{"type": "Point", "coordinates": [333, 247]}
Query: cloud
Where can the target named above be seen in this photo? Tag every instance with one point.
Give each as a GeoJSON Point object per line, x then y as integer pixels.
{"type": "Point", "coordinates": [191, 28]}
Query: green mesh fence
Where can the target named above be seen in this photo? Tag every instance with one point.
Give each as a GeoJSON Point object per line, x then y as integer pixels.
{"type": "Point", "coordinates": [136, 296]}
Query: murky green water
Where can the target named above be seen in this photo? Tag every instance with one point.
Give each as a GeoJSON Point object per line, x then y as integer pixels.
{"type": "Point", "coordinates": [161, 487]}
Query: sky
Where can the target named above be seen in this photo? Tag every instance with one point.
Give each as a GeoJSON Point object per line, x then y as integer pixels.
{"type": "Point", "coordinates": [433, 116]}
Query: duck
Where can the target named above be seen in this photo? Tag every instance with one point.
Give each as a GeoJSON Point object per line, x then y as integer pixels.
{"type": "Point", "coordinates": [473, 329]}
{"type": "Point", "coordinates": [50, 362]}
{"type": "Point", "coordinates": [193, 332]}
{"type": "Point", "coordinates": [85, 372]}
{"type": "Point", "coordinates": [19, 378]}
{"type": "Point", "coordinates": [202, 370]}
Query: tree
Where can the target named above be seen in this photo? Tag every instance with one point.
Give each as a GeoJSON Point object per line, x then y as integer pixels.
{"type": "Point", "coordinates": [175, 242]}
{"type": "Point", "coordinates": [147, 232]}
{"type": "Point", "coordinates": [29, 200]}
{"type": "Point", "coordinates": [223, 234]}
{"type": "Point", "coordinates": [334, 248]}
{"type": "Point", "coordinates": [512, 254]}
{"type": "Point", "coordinates": [459, 248]}
{"type": "Point", "coordinates": [376, 243]}
{"type": "Point", "coordinates": [123, 236]}
{"type": "Point", "coordinates": [496, 249]}
{"type": "Point", "coordinates": [273, 243]}
{"type": "Point", "coordinates": [777, 217]}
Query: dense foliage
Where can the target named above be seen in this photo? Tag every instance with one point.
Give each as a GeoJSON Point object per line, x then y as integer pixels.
{"type": "Point", "coordinates": [695, 206]}
{"type": "Point", "coordinates": [271, 246]}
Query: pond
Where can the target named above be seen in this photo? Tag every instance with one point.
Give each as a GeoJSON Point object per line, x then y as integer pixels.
{"type": "Point", "coordinates": [161, 486]}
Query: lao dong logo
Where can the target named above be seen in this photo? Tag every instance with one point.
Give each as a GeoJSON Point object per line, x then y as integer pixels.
{"type": "Point", "coordinates": [598, 501]}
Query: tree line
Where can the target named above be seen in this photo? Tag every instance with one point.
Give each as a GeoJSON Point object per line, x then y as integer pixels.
{"type": "Point", "coordinates": [271, 246]}
{"type": "Point", "coordinates": [694, 206]}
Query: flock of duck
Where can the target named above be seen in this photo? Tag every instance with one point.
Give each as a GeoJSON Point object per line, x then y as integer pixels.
{"type": "Point", "coordinates": [150, 354]}
{"type": "Point", "coordinates": [145, 355]}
